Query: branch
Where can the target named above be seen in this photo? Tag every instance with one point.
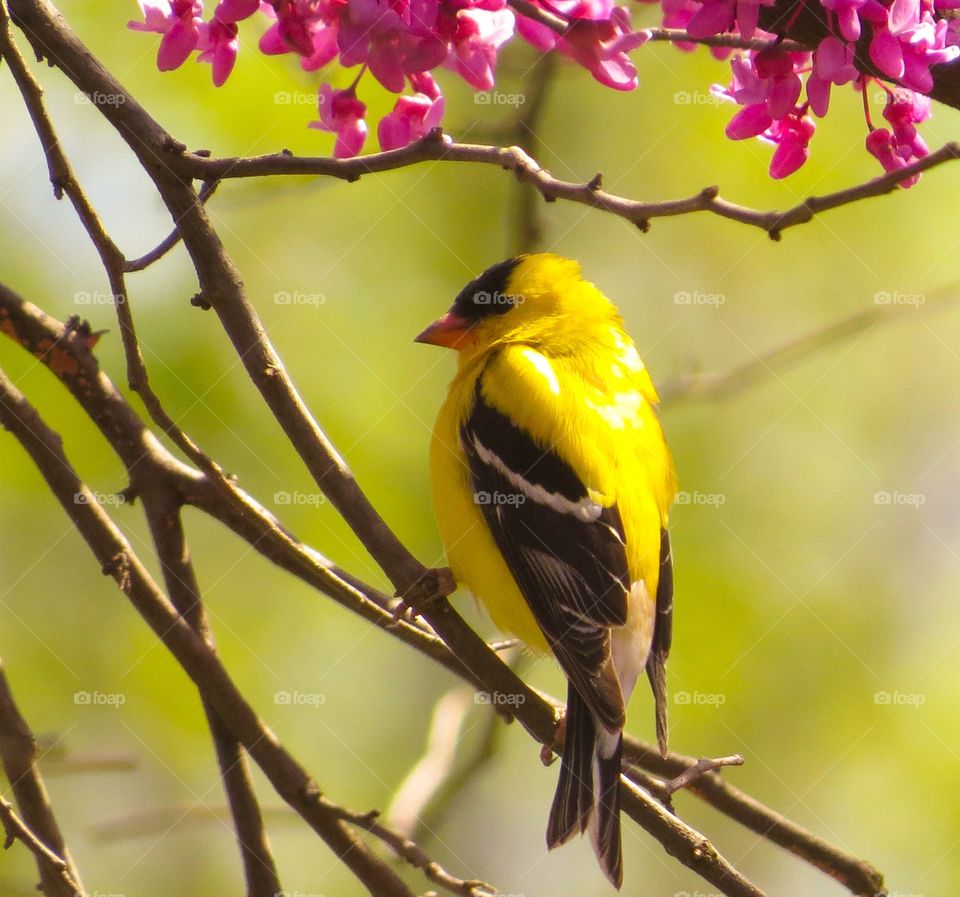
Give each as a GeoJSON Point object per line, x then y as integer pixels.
{"type": "Point", "coordinates": [720, 385]}
{"type": "Point", "coordinates": [435, 147]}
{"type": "Point", "coordinates": [118, 560]}
{"type": "Point", "coordinates": [50, 865]}
{"type": "Point", "coordinates": [38, 828]}
{"type": "Point", "coordinates": [171, 240]}
{"type": "Point", "coordinates": [858, 876]}
{"type": "Point", "coordinates": [561, 26]}
{"type": "Point", "coordinates": [162, 508]}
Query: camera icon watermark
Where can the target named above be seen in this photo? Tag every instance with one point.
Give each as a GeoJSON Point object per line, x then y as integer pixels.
{"type": "Point", "coordinates": [685, 297]}
{"type": "Point", "coordinates": [305, 499]}
{"type": "Point", "coordinates": [299, 699]}
{"type": "Point", "coordinates": [699, 698]}
{"type": "Point", "coordinates": [900, 499]}
{"type": "Point", "coordinates": [895, 297]}
{"type": "Point", "coordinates": [296, 297]}
{"type": "Point", "coordinates": [499, 98]}
{"type": "Point", "coordinates": [499, 498]}
{"type": "Point", "coordinates": [899, 698]}
{"type": "Point", "coordinates": [703, 499]}
{"type": "Point", "coordinates": [99, 699]}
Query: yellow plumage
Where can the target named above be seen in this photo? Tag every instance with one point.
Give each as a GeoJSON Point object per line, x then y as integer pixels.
{"type": "Point", "coordinates": [556, 368]}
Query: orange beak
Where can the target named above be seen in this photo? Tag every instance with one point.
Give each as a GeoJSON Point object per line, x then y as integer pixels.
{"type": "Point", "coordinates": [448, 331]}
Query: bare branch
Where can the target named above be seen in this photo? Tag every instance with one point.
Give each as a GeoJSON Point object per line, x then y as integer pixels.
{"type": "Point", "coordinates": [162, 508]}
{"type": "Point", "coordinates": [119, 561]}
{"type": "Point", "coordinates": [38, 828]}
{"type": "Point", "coordinates": [696, 386]}
{"type": "Point", "coordinates": [858, 876]}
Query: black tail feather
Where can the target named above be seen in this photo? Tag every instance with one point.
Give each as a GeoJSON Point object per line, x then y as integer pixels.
{"type": "Point", "coordinates": [588, 790]}
{"type": "Point", "coordinates": [573, 801]}
{"type": "Point", "coordinates": [606, 827]}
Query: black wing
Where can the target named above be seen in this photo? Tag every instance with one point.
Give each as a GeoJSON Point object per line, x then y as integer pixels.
{"type": "Point", "coordinates": [566, 552]}
{"type": "Point", "coordinates": [662, 636]}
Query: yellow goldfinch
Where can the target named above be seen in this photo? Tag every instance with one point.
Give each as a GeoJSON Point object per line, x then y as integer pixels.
{"type": "Point", "coordinates": [551, 483]}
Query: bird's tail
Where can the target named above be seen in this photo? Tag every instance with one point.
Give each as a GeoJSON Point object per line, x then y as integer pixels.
{"type": "Point", "coordinates": [588, 790]}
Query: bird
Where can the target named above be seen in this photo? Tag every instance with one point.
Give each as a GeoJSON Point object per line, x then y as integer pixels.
{"type": "Point", "coordinates": [551, 481]}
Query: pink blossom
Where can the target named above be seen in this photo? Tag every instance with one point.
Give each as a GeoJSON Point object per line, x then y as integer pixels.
{"type": "Point", "coordinates": [342, 114]}
{"type": "Point", "coordinates": [832, 64]}
{"type": "Point", "coordinates": [791, 135]}
{"type": "Point", "coordinates": [719, 16]}
{"type": "Point", "coordinates": [179, 23]}
{"type": "Point", "coordinates": [479, 35]}
{"type": "Point", "coordinates": [391, 41]}
{"type": "Point", "coordinates": [888, 151]}
{"type": "Point", "coordinates": [601, 47]}
{"type": "Point", "coordinates": [218, 45]}
{"type": "Point", "coordinates": [751, 121]}
{"type": "Point", "coordinates": [236, 10]}
{"type": "Point", "coordinates": [413, 117]}
{"type": "Point", "coordinates": [848, 16]}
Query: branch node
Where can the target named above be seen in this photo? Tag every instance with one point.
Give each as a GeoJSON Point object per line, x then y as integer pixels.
{"type": "Point", "coordinates": [203, 153]}
{"type": "Point", "coordinates": [709, 194]}
{"type": "Point", "coordinates": [596, 182]}
{"type": "Point", "coordinates": [643, 224]}
{"type": "Point", "coordinates": [197, 301]}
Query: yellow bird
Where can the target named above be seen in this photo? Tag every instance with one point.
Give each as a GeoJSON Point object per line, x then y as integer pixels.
{"type": "Point", "coordinates": [551, 485]}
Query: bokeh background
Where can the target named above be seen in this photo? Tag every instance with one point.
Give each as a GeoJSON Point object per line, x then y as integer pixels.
{"type": "Point", "coordinates": [816, 545]}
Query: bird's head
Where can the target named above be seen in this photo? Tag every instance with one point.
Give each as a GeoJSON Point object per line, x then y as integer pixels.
{"type": "Point", "coordinates": [536, 299]}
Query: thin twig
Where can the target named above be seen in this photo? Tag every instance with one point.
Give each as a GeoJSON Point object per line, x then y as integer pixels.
{"type": "Point", "coordinates": [720, 385]}
{"type": "Point", "coordinates": [163, 507]}
{"type": "Point", "coordinates": [48, 862]}
{"type": "Point", "coordinates": [38, 827]}
{"type": "Point", "coordinates": [171, 240]}
{"type": "Point", "coordinates": [858, 876]}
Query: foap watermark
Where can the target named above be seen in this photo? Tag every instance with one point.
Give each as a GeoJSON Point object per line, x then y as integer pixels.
{"type": "Point", "coordinates": [697, 98]}
{"type": "Point", "coordinates": [499, 98]}
{"type": "Point", "coordinates": [104, 499]}
{"type": "Point", "coordinates": [697, 894]}
{"type": "Point", "coordinates": [703, 499]}
{"type": "Point", "coordinates": [684, 297]}
{"type": "Point", "coordinates": [306, 499]}
{"type": "Point", "coordinates": [99, 98]}
{"type": "Point", "coordinates": [499, 498]}
{"type": "Point", "coordinates": [99, 699]}
{"type": "Point", "coordinates": [499, 698]}
{"type": "Point", "coordinates": [899, 698]}
{"type": "Point", "coordinates": [484, 297]}
{"type": "Point", "coordinates": [96, 297]}
{"type": "Point", "coordinates": [297, 98]}
{"type": "Point", "coordinates": [297, 297]}
{"type": "Point", "coordinates": [900, 499]}
{"type": "Point", "coordinates": [299, 699]}
{"type": "Point", "coordinates": [895, 297]}
{"type": "Point", "coordinates": [699, 698]}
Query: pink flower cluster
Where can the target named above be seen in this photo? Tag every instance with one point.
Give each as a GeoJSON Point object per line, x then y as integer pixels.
{"type": "Point", "coordinates": [782, 92]}
{"type": "Point", "coordinates": [399, 42]}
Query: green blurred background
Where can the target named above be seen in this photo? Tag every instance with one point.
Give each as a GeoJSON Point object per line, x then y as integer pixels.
{"type": "Point", "coordinates": [804, 595]}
